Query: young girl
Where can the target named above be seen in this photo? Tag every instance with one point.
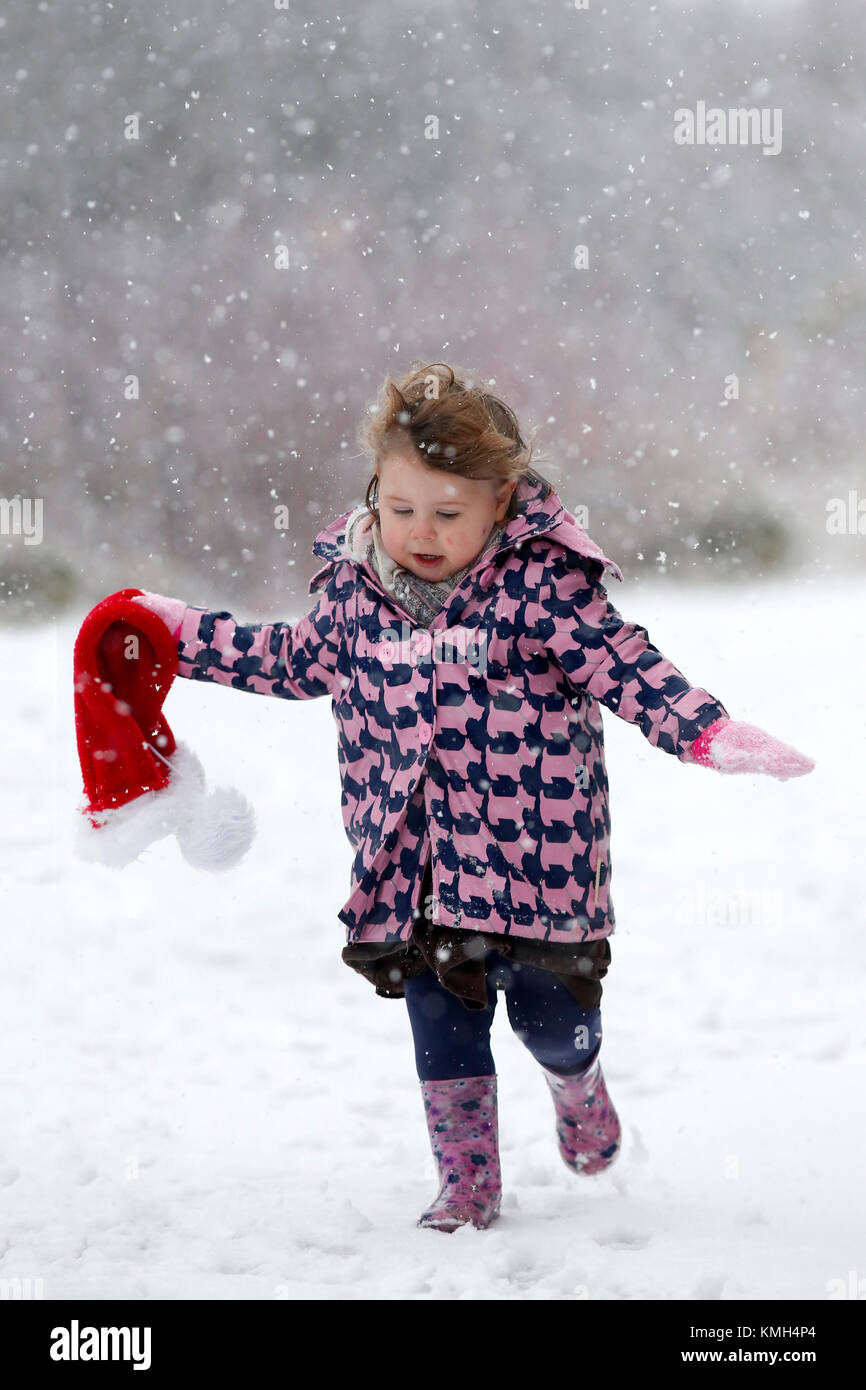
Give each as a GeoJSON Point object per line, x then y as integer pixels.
{"type": "Point", "coordinates": [466, 640]}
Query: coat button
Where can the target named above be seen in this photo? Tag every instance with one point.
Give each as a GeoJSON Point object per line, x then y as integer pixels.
{"type": "Point", "coordinates": [425, 731]}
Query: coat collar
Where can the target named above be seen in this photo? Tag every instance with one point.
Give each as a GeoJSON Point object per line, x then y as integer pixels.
{"type": "Point", "coordinates": [541, 513]}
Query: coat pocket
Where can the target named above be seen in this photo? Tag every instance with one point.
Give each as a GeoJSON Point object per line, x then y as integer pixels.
{"type": "Point", "coordinates": [599, 863]}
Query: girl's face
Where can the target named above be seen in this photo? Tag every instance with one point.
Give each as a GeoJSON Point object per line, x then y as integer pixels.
{"type": "Point", "coordinates": [433, 523]}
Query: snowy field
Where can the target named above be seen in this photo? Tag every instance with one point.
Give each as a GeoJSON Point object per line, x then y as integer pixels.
{"type": "Point", "coordinates": [199, 1100]}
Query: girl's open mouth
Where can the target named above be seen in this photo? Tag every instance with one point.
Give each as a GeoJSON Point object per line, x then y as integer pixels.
{"type": "Point", "coordinates": [427, 559]}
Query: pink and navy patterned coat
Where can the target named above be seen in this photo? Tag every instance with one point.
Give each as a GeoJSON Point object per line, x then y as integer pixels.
{"type": "Point", "coordinates": [478, 739]}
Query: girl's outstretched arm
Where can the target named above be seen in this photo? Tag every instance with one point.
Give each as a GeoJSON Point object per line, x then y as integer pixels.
{"type": "Point", "coordinates": [616, 662]}
{"type": "Point", "coordinates": [295, 662]}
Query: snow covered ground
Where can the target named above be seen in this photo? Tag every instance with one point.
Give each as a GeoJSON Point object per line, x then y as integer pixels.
{"type": "Point", "coordinates": [199, 1100]}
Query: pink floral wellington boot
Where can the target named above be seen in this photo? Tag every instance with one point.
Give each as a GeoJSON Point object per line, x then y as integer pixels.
{"type": "Point", "coordinates": [462, 1122]}
{"type": "Point", "coordinates": [587, 1126]}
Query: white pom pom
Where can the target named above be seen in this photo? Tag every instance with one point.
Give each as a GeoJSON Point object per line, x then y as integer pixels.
{"type": "Point", "coordinates": [219, 832]}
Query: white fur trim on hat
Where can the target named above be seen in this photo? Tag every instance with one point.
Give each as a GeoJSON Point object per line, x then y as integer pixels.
{"type": "Point", "coordinates": [214, 829]}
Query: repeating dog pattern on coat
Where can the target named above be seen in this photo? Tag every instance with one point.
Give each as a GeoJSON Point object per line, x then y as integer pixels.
{"type": "Point", "coordinates": [496, 767]}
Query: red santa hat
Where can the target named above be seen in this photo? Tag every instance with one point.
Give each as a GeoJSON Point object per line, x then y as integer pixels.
{"type": "Point", "coordinates": [140, 783]}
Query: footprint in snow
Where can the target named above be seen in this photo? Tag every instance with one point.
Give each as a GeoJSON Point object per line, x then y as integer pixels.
{"type": "Point", "coordinates": [624, 1240]}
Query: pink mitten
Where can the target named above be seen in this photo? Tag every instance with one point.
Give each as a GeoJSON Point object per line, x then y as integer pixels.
{"type": "Point", "coordinates": [729, 746]}
{"type": "Point", "coordinates": [171, 610]}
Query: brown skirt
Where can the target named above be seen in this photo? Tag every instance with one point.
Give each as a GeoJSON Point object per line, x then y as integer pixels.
{"type": "Point", "coordinates": [456, 957]}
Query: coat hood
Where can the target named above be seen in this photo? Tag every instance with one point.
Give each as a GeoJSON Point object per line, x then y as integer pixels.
{"type": "Point", "coordinates": [541, 513]}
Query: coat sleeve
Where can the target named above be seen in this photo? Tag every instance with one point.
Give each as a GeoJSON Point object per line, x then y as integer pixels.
{"type": "Point", "coordinates": [293, 661]}
{"type": "Point", "coordinates": [615, 661]}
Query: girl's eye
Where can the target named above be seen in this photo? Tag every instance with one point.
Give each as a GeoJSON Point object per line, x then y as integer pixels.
{"type": "Point", "coordinates": [448, 516]}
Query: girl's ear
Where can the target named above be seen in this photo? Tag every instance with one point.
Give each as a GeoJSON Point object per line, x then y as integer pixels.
{"type": "Point", "coordinates": [371, 496]}
{"type": "Point", "coordinates": [503, 499]}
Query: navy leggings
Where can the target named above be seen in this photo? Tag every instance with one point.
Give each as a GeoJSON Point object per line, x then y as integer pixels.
{"type": "Point", "coordinates": [451, 1040]}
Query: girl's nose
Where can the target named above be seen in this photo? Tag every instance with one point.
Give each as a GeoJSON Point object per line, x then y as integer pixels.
{"type": "Point", "coordinates": [423, 531]}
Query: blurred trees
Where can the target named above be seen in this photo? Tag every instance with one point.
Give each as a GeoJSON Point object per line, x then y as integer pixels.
{"type": "Point", "coordinates": [152, 264]}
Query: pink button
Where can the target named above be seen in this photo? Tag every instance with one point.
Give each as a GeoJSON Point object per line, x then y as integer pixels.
{"type": "Point", "coordinates": [425, 730]}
